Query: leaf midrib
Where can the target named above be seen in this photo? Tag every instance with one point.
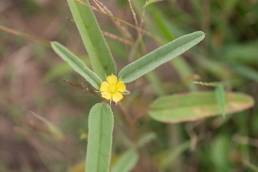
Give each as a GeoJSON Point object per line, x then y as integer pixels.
{"type": "Point", "coordinates": [100, 137]}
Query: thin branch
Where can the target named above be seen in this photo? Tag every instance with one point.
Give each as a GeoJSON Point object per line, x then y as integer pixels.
{"type": "Point", "coordinates": [117, 38]}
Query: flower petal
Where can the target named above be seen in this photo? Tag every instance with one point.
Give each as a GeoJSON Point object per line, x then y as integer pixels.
{"type": "Point", "coordinates": [117, 97]}
{"type": "Point", "coordinates": [104, 86]}
{"type": "Point", "coordinates": [120, 86]}
{"type": "Point", "coordinates": [106, 95]}
{"type": "Point", "coordinates": [112, 79]}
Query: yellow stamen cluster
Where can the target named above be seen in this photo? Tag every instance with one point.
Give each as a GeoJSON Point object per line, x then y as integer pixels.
{"type": "Point", "coordinates": [112, 89]}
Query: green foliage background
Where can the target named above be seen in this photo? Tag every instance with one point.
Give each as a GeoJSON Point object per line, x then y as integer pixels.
{"type": "Point", "coordinates": [32, 79]}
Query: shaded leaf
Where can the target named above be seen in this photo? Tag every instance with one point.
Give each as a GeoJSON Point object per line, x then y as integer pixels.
{"type": "Point", "coordinates": [77, 64]}
{"type": "Point", "coordinates": [219, 153]}
{"type": "Point", "coordinates": [197, 105]}
{"type": "Point", "coordinates": [146, 139]}
{"type": "Point", "coordinates": [57, 71]}
{"type": "Point", "coordinates": [99, 52]}
{"type": "Point", "coordinates": [156, 83]}
{"type": "Point", "coordinates": [54, 130]}
{"type": "Point", "coordinates": [101, 123]}
{"type": "Point", "coordinates": [160, 56]}
{"type": "Point", "coordinates": [251, 166]}
{"type": "Point", "coordinates": [245, 71]}
{"type": "Point", "coordinates": [149, 2]}
{"type": "Point", "coordinates": [168, 157]}
{"type": "Point", "coordinates": [126, 162]}
{"type": "Point", "coordinates": [241, 53]}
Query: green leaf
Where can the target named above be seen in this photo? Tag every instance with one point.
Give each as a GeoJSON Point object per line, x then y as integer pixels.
{"type": "Point", "coordinates": [251, 166]}
{"type": "Point", "coordinates": [160, 25]}
{"type": "Point", "coordinates": [241, 53]}
{"type": "Point", "coordinates": [160, 56]}
{"type": "Point", "coordinates": [77, 64]}
{"type": "Point", "coordinates": [156, 83]}
{"type": "Point", "coordinates": [219, 153]}
{"type": "Point", "coordinates": [57, 71]}
{"type": "Point", "coordinates": [146, 139]}
{"type": "Point", "coordinates": [197, 105]}
{"type": "Point", "coordinates": [221, 99]}
{"type": "Point", "coordinates": [245, 71]}
{"type": "Point", "coordinates": [126, 162]}
{"type": "Point", "coordinates": [168, 157]}
{"type": "Point", "coordinates": [101, 124]}
{"type": "Point", "coordinates": [99, 52]}
{"type": "Point", "coordinates": [149, 2]}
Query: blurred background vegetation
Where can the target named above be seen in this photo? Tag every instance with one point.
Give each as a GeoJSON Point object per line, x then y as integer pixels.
{"type": "Point", "coordinates": [44, 106]}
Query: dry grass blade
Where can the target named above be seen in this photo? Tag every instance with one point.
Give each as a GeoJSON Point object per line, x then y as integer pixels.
{"type": "Point", "coordinates": [42, 41]}
{"type": "Point", "coordinates": [117, 38]}
{"type": "Point", "coordinates": [118, 24]}
{"type": "Point", "coordinates": [122, 21]}
{"type": "Point", "coordinates": [133, 12]}
{"type": "Point", "coordinates": [82, 87]}
{"type": "Point", "coordinates": [22, 34]}
{"type": "Point", "coordinates": [206, 84]}
{"type": "Point", "coordinates": [51, 127]}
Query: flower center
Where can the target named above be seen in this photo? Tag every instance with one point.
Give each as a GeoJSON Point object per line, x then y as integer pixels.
{"type": "Point", "coordinates": [112, 89]}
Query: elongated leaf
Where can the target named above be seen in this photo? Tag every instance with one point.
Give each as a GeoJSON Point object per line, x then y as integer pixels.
{"type": "Point", "coordinates": [126, 162]}
{"type": "Point", "coordinates": [54, 130]}
{"type": "Point", "coordinates": [168, 157]}
{"type": "Point", "coordinates": [251, 166]}
{"type": "Point", "coordinates": [101, 123]}
{"type": "Point", "coordinates": [197, 105]}
{"type": "Point", "coordinates": [160, 24]}
{"type": "Point", "coordinates": [219, 152]}
{"type": "Point", "coordinates": [57, 71]}
{"type": "Point", "coordinates": [93, 39]}
{"type": "Point", "coordinates": [241, 53]}
{"type": "Point", "coordinates": [160, 56]}
{"type": "Point", "coordinates": [156, 83]}
{"type": "Point", "coordinates": [221, 99]}
{"type": "Point", "coordinates": [149, 2]}
{"type": "Point", "coordinates": [146, 139]}
{"type": "Point", "coordinates": [245, 71]}
{"type": "Point", "coordinates": [77, 65]}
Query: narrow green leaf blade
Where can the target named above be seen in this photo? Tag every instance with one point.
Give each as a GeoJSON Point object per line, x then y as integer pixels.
{"type": "Point", "coordinates": [195, 106]}
{"type": "Point", "coordinates": [219, 152]}
{"type": "Point", "coordinates": [168, 157]}
{"type": "Point", "coordinates": [77, 64]}
{"type": "Point", "coordinates": [160, 56]}
{"type": "Point", "coordinates": [149, 2]}
{"type": "Point", "coordinates": [221, 99]}
{"type": "Point", "coordinates": [251, 166]}
{"type": "Point", "coordinates": [101, 124]}
{"type": "Point", "coordinates": [126, 162]}
{"type": "Point", "coordinates": [146, 139]}
{"type": "Point", "coordinates": [99, 52]}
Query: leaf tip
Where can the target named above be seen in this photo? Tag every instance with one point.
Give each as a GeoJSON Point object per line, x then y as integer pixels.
{"type": "Point", "coordinates": [53, 44]}
{"type": "Point", "coordinates": [203, 35]}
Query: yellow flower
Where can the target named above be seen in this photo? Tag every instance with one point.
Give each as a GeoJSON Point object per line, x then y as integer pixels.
{"type": "Point", "coordinates": [112, 89]}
